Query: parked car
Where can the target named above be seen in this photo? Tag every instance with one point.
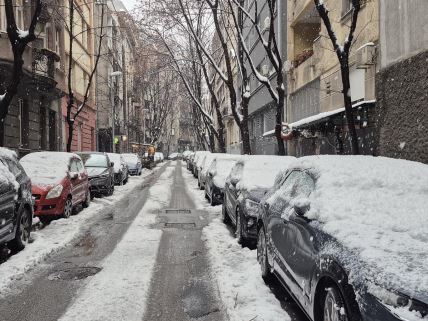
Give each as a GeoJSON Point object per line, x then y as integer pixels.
{"type": "Point", "coordinates": [249, 180]}
{"type": "Point", "coordinates": [173, 156]}
{"type": "Point", "coordinates": [59, 183]}
{"type": "Point", "coordinates": [199, 157]}
{"type": "Point", "coordinates": [16, 205]}
{"type": "Point", "coordinates": [205, 165]}
{"type": "Point", "coordinates": [134, 164]}
{"type": "Point", "coordinates": [216, 178]}
{"type": "Point", "coordinates": [159, 158]}
{"type": "Point", "coordinates": [120, 168]}
{"type": "Point", "coordinates": [101, 173]}
{"type": "Point", "coordinates": [189, 162]}
{"type": "Point", "coordinates": [347, 237]}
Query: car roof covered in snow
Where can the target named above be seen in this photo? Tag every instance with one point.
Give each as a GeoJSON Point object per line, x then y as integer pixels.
{"type": "Point", "coordinates": [47, 168]}
{"type": "Point", "coordinates": [259, 171]}
{"type": "Point", "coordinates": [377, 207]}
{"type": "Point", "coordinates": [222, 167]}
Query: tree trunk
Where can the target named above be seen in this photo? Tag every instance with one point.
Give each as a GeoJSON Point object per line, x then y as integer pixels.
{"type": "Point", "coordinates": [279, 111]}
{"type": "Point", "coordinates": [344, 67]}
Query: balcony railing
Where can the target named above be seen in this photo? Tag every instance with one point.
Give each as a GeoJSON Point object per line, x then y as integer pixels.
{"type": "Point", "coordinates": [44, 68]}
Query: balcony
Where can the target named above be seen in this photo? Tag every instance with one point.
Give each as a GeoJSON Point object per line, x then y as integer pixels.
{"type": "Point", "coordinates": [43, 69]}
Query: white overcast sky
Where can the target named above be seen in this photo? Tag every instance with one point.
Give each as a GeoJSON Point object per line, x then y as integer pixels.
{"type": "Point", "coordinates": [129, 4]}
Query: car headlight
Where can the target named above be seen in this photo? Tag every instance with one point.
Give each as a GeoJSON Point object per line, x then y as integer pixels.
{"type": "Point", "coordinates": [55, 191]}
{"type": "Point", "coordinates": [251, 207]}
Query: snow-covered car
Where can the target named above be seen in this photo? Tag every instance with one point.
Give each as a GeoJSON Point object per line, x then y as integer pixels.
{"type": "Point", "coordinates": [100, 171]}
{"type": "Point", "coordinates": [218, 171]}
{"type": "Point", "coordinates": [159, 158]}
{"type": "Point", "coordinates": [173, 156]}
{"type": "Point", "coordinates": [348, 237]}
{"type": "Point", "coordinates": [249, 180]}
{"type": "Point", "coordinates": [205, 164]}
{"type": "Point", "coordinates": [199, 157]}
{"type": "Point", "coordinates": [134, 163]}
{"type": "Point", "coordinates": [120, 168]}
{"type": "Point", "coordinates": [16, 205]}
{"type": "Point", "coordinates": [59, 183]}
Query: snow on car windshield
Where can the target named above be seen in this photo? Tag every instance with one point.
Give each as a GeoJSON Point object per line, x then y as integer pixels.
{"type": "Point", "coordinates": [259, 172]}
{"type": "Point", "coordinates": [6, 177]}
{"type": "Point", "coordinates": [222, 167]}
{"type": "Point", "coordinates": [377, 208]}
{"type": "Point", "coordinates": [115, 158]}
{"type": "Point", "coordinates": [94, 160]}
{"type": "Point", "coordinates": [46, 168]}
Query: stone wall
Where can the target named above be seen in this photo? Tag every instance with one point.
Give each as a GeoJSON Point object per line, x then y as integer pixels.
{"type": "Point", "coordinates": [402, 115]}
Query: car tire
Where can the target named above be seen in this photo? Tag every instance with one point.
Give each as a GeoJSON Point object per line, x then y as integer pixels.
{"type": "Point", "coordinates": [238, 232]}
{"type": "Point", "coordinates": [224, 215]}
{"type": "Point", "coordinates": [23, 230]}
{"type": "Point", "coordinates": [87, 200]}
{"type": "Point", "coordinates": [212, 201]}
{"type": "Point", "coordinates": [262, 256]}
{"type": "Point", "coordinates": [333, 305]}
{"type": "Point", "coordinates": [45, 219]}
{"type": "Point", "coordinates": [68, 208]}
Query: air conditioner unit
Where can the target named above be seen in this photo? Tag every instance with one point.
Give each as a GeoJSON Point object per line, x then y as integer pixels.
{"type": "Point", "coordinates": [265, 70]}
{"type": "Point", "coordinates": [266, 23]}
{"type": "Point", "coordinates": [366, 56]}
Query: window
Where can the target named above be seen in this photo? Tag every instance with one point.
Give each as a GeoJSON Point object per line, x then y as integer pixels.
{"type": "Point", "coordinates": [42, 127]}
{"type": "Point", "coordinates": [52, 130]}
{"type": "Point", "coordinates": [80, 167]}
{"type": "Point", "coordinates": [2, 17]}
{"type": "Point", "coordinates": [24, 122]}
{"type": "Point", "coordinates": [57, 40]}
{"type": "Point", "coordinates": [19, 16]}
{"type": "Point", "coordinates": [346, 6]}
{"type": "Point", "coordinates": [73, 166]}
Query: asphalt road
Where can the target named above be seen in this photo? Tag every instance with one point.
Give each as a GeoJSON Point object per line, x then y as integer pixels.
{"type": "Point", "coordinates": [181, 288]}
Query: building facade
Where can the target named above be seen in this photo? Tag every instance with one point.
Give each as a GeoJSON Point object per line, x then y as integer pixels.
{"type": "Point", "coordinates": [401, 84]}
{"type": "Point", "coordinates": [262, 109]}
{"type": "Point", "coordinates": [315, 100]}
{"type": "Point", "coordinates": [34, 119]}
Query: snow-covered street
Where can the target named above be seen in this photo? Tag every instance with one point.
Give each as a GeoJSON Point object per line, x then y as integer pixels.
{"type": "Point", "coordinates": [155, 250]}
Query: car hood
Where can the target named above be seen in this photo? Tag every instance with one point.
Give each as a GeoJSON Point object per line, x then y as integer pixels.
{"type": "Point", "coordinates": [96, 171]}
{"type": "Point", "coordinates": [46, 183]}
{"type": "Point", "coordinates": [131, 165]}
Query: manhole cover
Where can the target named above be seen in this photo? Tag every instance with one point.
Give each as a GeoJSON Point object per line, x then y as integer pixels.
{"type": "Point", "coordinates": [179, 225]}
{"type": "Point", "coordinates": [75, 273]}
{"type": "Point", "coordinates": [178, 211]}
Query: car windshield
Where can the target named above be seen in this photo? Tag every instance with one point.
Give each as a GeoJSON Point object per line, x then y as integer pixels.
{"type": "Point", "coordinates": [130, 158]}
{"type": "Point", "coordinates": [94, 160]}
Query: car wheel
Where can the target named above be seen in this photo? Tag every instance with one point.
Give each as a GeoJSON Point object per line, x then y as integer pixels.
{"type": "Point", "coordinates": [87, 199]}
{"type": "Point", "coordinates": [224, 215]}
{"type": "Point", "coordinates": [68, 208]}
{"type": "Point", "coordinates": [334, 305]}
{"type": "Point", "coordinates": [212, 201]}
{"type": "Point", "coordinates": [23, 230]}
{"type": "Point", "coordinates": [239, 231]}
{"type": "Point", "coordinates": [139, 173]}
{"type": "Point", "coordinates": [45, 219]}
{"type": "Point", "coordinates": [111, 190]}
{"type": "Point", "coordinates": [262, 257]}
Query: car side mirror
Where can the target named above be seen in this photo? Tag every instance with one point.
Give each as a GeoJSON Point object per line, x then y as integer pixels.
{"type": "Point", "coordinates": [266, 206]}
{"type": "Point", "coordinates": [301, 206]}
{"type": "Point", "coordinates": [111, 164]}
{"type": "Point", "coordinates": [74, 175]}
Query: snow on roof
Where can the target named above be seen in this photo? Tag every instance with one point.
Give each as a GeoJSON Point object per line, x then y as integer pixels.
{"type": "Point", "coordinates": [320, 116]}
{"type": "Point", "coordinates": [46, 168]}
{"type": "Point", "coordinates": [259, 171]}
{"type": "Point", "coordinates": [377, 207]}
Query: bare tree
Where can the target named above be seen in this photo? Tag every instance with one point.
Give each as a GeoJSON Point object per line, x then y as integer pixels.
{"type": "Point", "coordinates": [73, 111]}
{"type": "Point", "coordinates": [19, 39]}
{"type": "Point", "coordinates": [342, 52]}
{"type": "Point", "coordinates": [271, 48]}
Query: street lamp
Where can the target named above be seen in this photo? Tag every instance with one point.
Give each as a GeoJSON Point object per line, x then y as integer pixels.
{"type": "Point", "coordinates": [114, 74]}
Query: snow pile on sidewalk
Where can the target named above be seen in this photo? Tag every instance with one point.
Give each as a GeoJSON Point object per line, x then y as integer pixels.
{"type": "Point", "coordinates": [377, 207]}
{"type": "Point", "coordinates": [242, 289]}
{"type": "Point", "coordinates": [119, 291]}
{"type": "Point", "coordinates": [56, 236]}
{"type": "Point", "coordinates": [236, 270]}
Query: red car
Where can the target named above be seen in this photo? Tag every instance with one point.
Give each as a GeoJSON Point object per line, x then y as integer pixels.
{"type": "Point", "coordinates": [59, 183]}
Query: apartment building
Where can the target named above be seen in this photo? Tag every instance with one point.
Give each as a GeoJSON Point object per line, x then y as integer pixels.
{"type": "Point", "coordinates": [34, 118]}
{"type": "Point", "coordinates": [82, 64]}
{"type": "Point", "coordinates": [401, 84]}
{"type": "Point", "coordinates": [315, 101]}
{"type": "Point", "coordinates": [262, 109]}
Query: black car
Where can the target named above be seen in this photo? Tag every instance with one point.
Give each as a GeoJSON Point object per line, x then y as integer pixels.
{"type": "Point", "coordinates": [216, 179]}
{"type": "Point", "coordinates": [16, 204]}
{"type": "Point", "coordinates": [249, 180]}
{"type": "Point", "coordinates": [100, 171]}
{"type": "Point", "coordinates": [339, 269]}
